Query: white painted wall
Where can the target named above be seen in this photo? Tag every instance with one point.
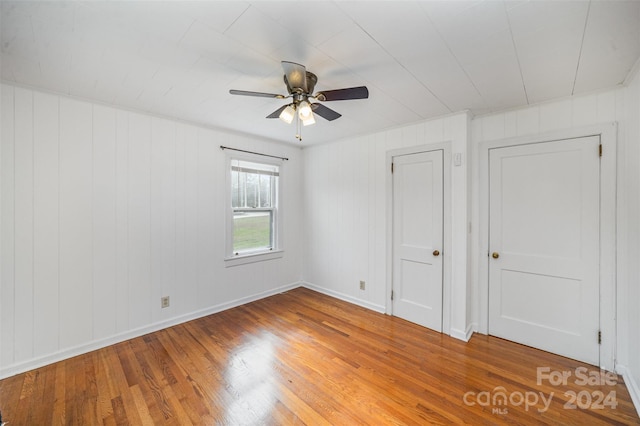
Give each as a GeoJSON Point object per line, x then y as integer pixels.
{"type": "Point", "coordinates": [629, 238]}
{"type": "Point", "coordinates": [345, 214]}
{"type": "Point", "coordinates": [103, 212]}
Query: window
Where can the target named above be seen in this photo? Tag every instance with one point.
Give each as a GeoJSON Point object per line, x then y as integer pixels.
{"type": "Point", "coordinates": [253, 222]}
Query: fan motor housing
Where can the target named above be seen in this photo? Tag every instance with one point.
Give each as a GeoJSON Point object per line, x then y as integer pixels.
{"type": "Point", "coordinates": [312, 79]}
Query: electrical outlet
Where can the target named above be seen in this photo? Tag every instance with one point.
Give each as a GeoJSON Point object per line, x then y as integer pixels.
{"type": "Point", "coordinates": [361, 285]}
{"type": "Point", "coordinates": [164, 302]}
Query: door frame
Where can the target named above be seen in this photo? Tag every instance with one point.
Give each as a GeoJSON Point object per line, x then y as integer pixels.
{"type": "Point", "coordinates": [445, 147]}
{"type": "Point", "coordinates": [608, 210]}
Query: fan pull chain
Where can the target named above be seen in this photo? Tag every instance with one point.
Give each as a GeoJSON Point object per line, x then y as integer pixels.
{"type": "Point", "coordinates": [298, 128]}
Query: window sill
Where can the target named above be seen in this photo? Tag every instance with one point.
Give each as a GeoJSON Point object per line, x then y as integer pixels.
{"type": "Point", "coordinates": [252, 258]}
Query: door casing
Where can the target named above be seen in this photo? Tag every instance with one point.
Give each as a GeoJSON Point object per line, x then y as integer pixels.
{"type": "Point", "coordinates": [608, 199]}
{"type": "Point", "coordinates": [446, 243]}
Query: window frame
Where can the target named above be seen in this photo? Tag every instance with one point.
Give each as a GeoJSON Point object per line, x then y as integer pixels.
{"type": "Point", "coordinates": [276, 251]}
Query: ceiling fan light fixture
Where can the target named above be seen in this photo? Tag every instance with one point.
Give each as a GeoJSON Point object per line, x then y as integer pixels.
{"type": "Point", "coordinates": [288, 114]}
{"type": "Point", "coordinates": [300, 84]}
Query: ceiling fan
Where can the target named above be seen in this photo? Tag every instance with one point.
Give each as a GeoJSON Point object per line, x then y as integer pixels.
{"type": "Point", "coordinates": [300, 84]}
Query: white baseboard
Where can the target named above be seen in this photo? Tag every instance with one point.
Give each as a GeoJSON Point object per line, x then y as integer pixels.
{"type": "Point", "coordinates": [23, 366]}
{"type": "Point", "coordinates": [345, 297]}
{"type": "Point", "coordinates": [632, 385]}
{"type": "Point", "coordinates": [463, 335]}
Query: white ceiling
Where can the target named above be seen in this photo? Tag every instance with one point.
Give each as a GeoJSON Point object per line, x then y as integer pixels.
{"type": "Point", "coordinates": [419, 59]}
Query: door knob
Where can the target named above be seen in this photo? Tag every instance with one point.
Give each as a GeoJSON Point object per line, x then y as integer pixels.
{"type": "Point", "coordinates": [495, 255]}
{"type": "Point", "coordinates": [436, 253]}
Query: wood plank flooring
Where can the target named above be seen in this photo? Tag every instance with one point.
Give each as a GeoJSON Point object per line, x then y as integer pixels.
{"type": "Point", "coordinates": [305, 358]}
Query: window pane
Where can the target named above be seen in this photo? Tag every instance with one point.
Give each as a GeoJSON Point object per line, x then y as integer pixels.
{"type": "Point", "coordinates": [252, 184]}
{"type": "Point", "coordinates": [251, 231]}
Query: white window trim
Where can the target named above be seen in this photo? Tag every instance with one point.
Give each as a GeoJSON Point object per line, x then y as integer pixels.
{"type": "Point", "coordinates": [251, 257]}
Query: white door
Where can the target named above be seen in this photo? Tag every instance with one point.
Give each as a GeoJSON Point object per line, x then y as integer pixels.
{"type": "Point", "coordinates": [544, 246]}
{"type": "Point", "coordinates": [417, 238]}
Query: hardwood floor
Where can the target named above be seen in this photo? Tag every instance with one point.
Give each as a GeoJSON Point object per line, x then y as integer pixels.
{"type": "Point", "coordinates": [305, 358]}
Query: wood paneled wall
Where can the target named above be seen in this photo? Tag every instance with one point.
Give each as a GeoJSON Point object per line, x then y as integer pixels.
{"type": "Point", "coordinates": [346, 201]}
{"type": "Point", "coordinates": [103, 212]}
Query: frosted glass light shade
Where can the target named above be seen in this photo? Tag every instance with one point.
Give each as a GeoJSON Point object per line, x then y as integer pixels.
{"type": "Point", "coordinates": [309, 120]}
{"type": "Point", "coordinates": [288, 114]}
{"type": "Point", "coordinates": [305, 113]}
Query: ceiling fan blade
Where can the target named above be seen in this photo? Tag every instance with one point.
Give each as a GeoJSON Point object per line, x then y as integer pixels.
{"type": "Point", "coordinates": [276, 113]}
{"type": "Point", "coordinates": [296, 75]}
{"type": "Point", "coordinates": [324, 112]}
{"type": "Point", "coordinates": [259, 94]}
{"type": "Point", "coordinates": [360, 92]}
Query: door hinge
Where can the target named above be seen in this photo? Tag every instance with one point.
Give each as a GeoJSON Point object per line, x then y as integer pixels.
{"type": "Point", "coordinates": [391, 167]}
{"type": "Point", "coordinates": [391, 294]}
{"type": "Point", "coordinates": [599, 337]}
{"type": "Point", "coordinates": [600, 150]}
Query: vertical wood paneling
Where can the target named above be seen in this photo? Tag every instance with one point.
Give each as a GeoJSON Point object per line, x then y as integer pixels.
{"type": "Point", "coordinates": [493, 127]}
{"type": "Point", "coordinates": [555, 115]}
{"type": "Point", "coordinates": [23, 196]}
{"type": "Point", "coordinates": [630, 251]}
{"type": "Point", "coordinates": [190, 278]}
{"type": "Point", "coordinates": [380, 180]}
{"type": "Point", "coordinates": [320, 240]}
{"type": "Point", "coordinates": [410, 136]}
{"type": "Point", "coordinates": [311, 214]}
{"type": "Point", "coordinates": [159, 131]}
{"type": "Point", "coordinates": [373, 280]}
{"type": "Point", "coordinates": [528, 121]}
{"type": "Point", "coordinates": [329, 249]}
{"type": "Point", "coordinates": [315, 214]}
{"type": "Point", "coordinates": [139, 220]}
{"type": "Point", "coordinates": [584, 110]}
{"type": "Point", "coordinates": [510, 124]}
{"type": "Point", "coordinates": [7, 254]}
{"type": "Point", "coordinates": [182, 302]}
{"type": "Point", "coordinates": [218, 192]}
{"type": "Point", "coordinates": [334, 201]}
{"type": "Point", "coordinates": [122, 222]}
{"type": "Point", "coordinates": [76, 223]}
{"type": "Point", "coordinates": [45, 224]}
{"type": "Point", "coordinates": [433, 131]}
{"type": "Point", "coordinates": [163, 214]}
{"type": "Point", "coordinates": [457, 128]}
{"type": "Point", "coordinates": [208, 233]}
{"type": "Point", "coordinates": [168, 208]}
{"type": "Point", "coordinates": [607, 106]}
{"type": "Point", "coordinates": [2, 134]}
{"type": "Point", "coordinates": [104, 222]}
{"type": "Point", "coordinates": [344, 187]}
{"type": "Point", "coordinates": [361, 216]}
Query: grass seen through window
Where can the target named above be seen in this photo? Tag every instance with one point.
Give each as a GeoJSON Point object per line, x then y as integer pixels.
{"type": "Point", "coordinates": [251, 231]}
